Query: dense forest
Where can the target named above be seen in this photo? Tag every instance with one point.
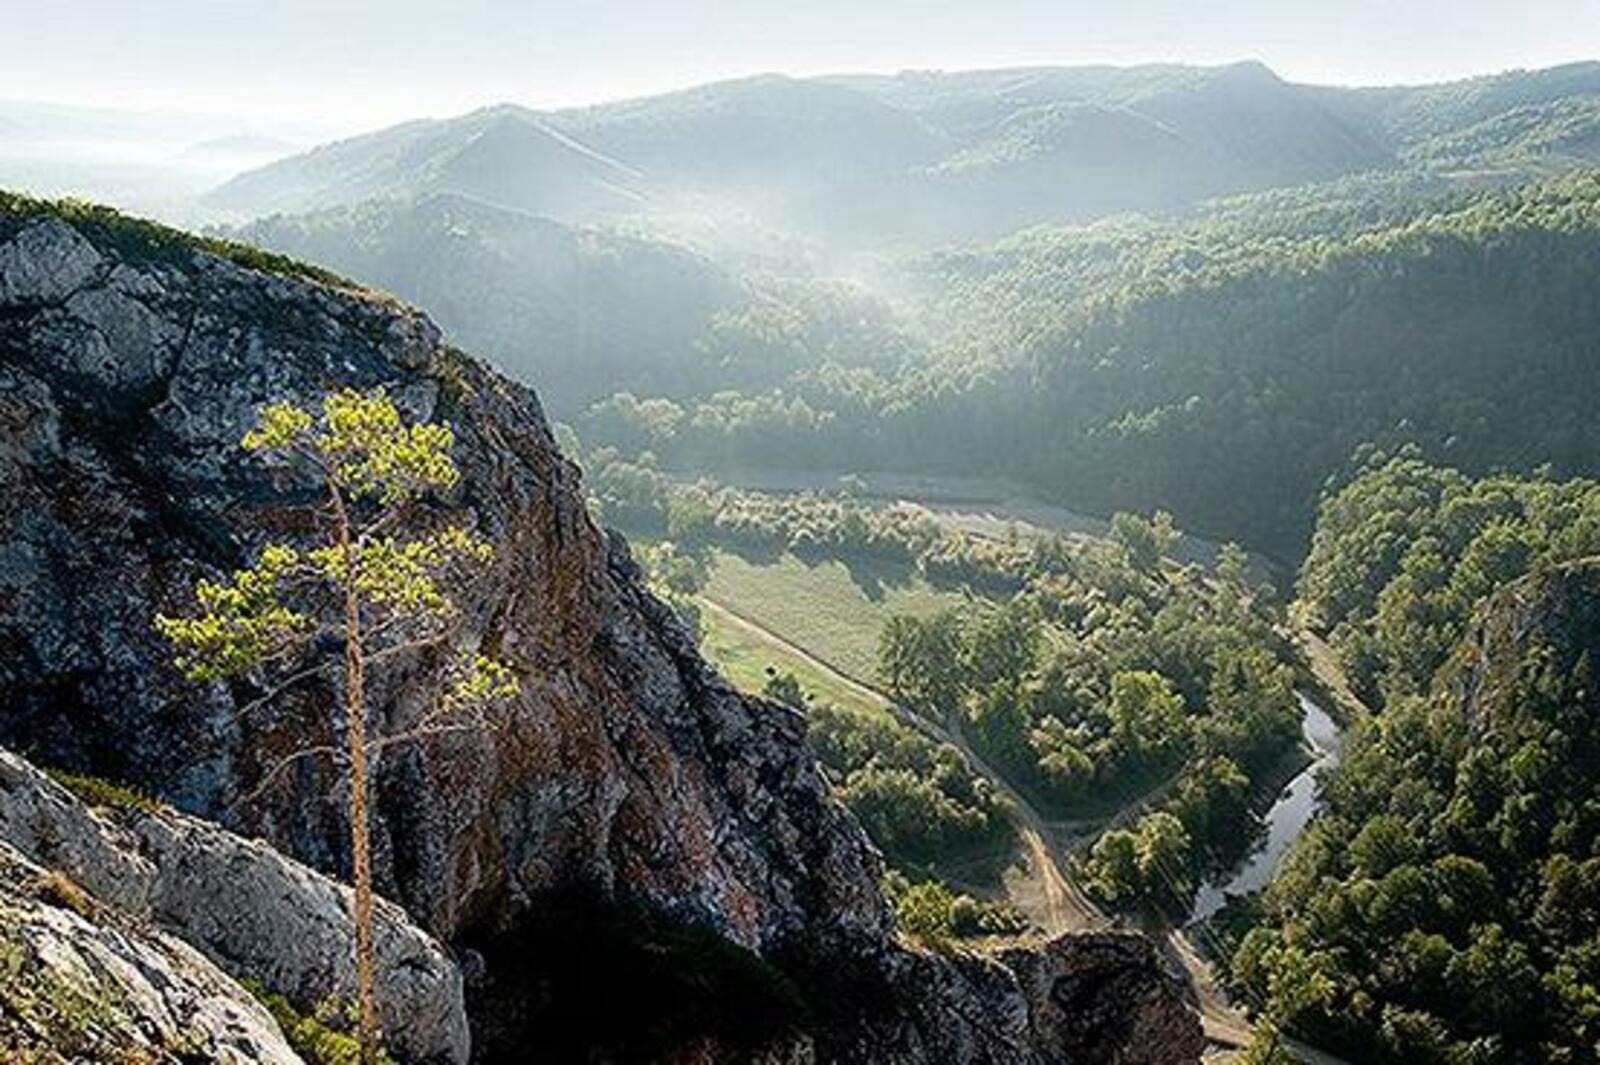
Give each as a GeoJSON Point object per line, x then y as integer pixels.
{"type": "Point", "coordinates": [1444, 907]}
{"type": "Point", "coordinates": [1222, 371]}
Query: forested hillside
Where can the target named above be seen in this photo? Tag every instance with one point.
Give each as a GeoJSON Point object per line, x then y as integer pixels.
{"type": "Point", "coordinates": [1445, 907]}
{"type": "Point", "coordinates": [1222, 369]}
{"type": "Point", "coordinates": [585, 311]}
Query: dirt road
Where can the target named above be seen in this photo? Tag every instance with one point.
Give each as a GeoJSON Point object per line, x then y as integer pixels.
{"type": "Point", "coordinates": [1064, 905]}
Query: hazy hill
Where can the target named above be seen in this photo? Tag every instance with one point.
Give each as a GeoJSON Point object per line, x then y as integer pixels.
{"type": "Point", "coordinates": [587, 311]}
{"type": "Point", "coordinates": [918, 156]}
{"type": "Point", "coordinates": [507, 155]}
{"type": "Point", "coordinates": [928, 157]}
{"type": "Point", "coordinates": [154, 160]}
{"type": "Point", "coordinates": [582, 311]}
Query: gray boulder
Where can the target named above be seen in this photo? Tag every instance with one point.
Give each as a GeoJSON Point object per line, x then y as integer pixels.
{"type": "Point", "coordinates": [254, 913]}
{"type": "Point", "coordinates": [80, 981]}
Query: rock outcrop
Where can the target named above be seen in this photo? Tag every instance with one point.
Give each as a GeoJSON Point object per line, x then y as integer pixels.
{"type": "Point", "coordinates": [1550, 617]}
{"type": "Point", "coordinates": [257, 915]}
{"type": "Point", "coordinates": [131, 362]}
{"type": "Point", "coordinates": [81, 982]}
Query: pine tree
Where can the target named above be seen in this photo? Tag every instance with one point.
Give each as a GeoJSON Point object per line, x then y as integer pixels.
{"type": "Point", "coordinates": [375, 584]}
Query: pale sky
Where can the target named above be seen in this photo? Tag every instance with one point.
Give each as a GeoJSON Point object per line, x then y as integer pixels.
{"type": "Point", "coordinates": [349, 66]}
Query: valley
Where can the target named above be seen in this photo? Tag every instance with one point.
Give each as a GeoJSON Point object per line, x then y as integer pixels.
{"type": "Point", "coordinates": [1017, 566]}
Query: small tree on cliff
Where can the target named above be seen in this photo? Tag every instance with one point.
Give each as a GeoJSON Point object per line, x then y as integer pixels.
{"type": "Point", "coordinates": [374, 585]}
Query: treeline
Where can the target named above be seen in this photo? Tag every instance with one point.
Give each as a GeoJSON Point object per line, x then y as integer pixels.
{"type": "Point", "coordinates": [1221, 368]}
{"type": "Point", "coordinates": [639, 498]}
{"type": "Point", "coordinates": [916, 798]}
{"type": "Point", "coordinates": [1445, 906]}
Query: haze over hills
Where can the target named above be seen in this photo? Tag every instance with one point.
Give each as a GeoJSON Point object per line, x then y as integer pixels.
{"type": "Point", "coordinates": [920, 158]}
{"type": "Point", "coordinates": [155, 161]}
{"type": "Point", "coordinates": [586, 311]}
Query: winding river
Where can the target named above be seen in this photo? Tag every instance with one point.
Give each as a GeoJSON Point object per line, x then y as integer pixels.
{"type": "Point", "coordinates": [1286, 818]}
{"type": "Point", "coordinates": [988, 507]}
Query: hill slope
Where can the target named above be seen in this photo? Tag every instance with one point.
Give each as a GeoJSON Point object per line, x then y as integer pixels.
{"type": "Point", "coordinates": [583, 312]}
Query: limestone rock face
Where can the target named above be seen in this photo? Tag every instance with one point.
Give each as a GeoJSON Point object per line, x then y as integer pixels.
{"type": "Point", "coordinates": [95, 986]}
{"type": "Point", "coordinates": [256, 914]}
{"type": "Point", "coordinates": [130, 365]}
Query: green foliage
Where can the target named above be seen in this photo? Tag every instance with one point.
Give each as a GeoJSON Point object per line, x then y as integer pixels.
{"type": "Point", "coordinates": [917, 799]}
{"type": "Point", "coordinates": [784, 688]}
{"type": "Point", "coordinates": [97, 791]}
{"type": "Point", "coordinates": [1147, 542]}
{"type": "Point", "coordinates": [242, 621]}
{"type": "Point", "coordinates": [930, 914]}
{"type": "Point", "coordinates": [583, 312]}
{"type": "Point", "coordinates": [677, 577]}
{"type": "Point", "coordinates": [921, 660]}
{"type": "Point", "coordinates": [1147, 717]}
{"type": "Point", "coordinates": [1443, 907]}
{"type": "Point", "coordinates": [1145, 866]}
{"type": "Point", "coordinates": [365, 452]}
{"type": "Point", "coordinates": [1405, 551]}
{"type": "Point", "coordinates": [362, 444]}
{"type": "Point", "coordinates": [922, 913]}
{"type": "Point", "coordinates": [324, 1036]}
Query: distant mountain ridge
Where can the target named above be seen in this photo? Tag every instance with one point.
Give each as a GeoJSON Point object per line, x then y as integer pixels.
{"type": "Point", "coordinates": [928, 157]}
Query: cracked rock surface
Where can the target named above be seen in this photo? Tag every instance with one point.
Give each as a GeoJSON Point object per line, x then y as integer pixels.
{"type": "Point", "coordinates": [241, 905]}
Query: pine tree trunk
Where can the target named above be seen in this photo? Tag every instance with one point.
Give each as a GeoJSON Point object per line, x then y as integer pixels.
{"type": "Point", "coordinates": [370, 1034]}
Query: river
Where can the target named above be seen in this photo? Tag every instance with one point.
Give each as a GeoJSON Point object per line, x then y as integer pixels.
{"type": "Point", "coordinates": [1286, 818]}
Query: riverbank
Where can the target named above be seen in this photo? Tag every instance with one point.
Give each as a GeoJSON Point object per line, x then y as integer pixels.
{"type": "Point", "coordinates": [1285, 819]}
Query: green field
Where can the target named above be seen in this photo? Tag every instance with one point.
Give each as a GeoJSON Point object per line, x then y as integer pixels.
{"type": "Point", "coordinates": [822, 608]}
{"type": "Point", "coordinates": [743, 653]}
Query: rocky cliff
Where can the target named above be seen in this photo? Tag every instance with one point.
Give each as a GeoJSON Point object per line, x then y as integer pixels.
{"type": "Point", "coordinates": [1529, 656]}
{"type": "Point", "coordinates": [631, 777]}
